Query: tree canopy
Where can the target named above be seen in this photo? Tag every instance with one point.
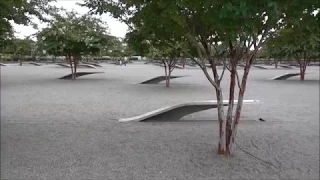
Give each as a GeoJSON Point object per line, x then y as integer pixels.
{"type": "Point", "coordinates": [300, 40]}
{"type": "Point", "coordinates": [72, 34]}
{"type": "Point", "coordinates": [20, 12]}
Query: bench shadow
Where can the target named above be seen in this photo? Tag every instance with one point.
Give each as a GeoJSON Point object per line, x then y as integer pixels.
{"type": "Point", "coordinates": [197, 121]}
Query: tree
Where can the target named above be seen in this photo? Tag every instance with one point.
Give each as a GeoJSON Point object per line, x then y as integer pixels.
{"type": "Point", "coordinates": [169, 58]}
{"type": "Point", "coordinates": [243, 26]}
{"type": "Point", "coordinates": [300, 41]}
{"type": "Point", "coordinates": [22, 48]}
{"type": "Point", "coordinates": [19, 48]}
{"type": "Point", "coordinates": [6, 41]}
{"type": "Point", "coordinates": [117, 48]}
{"type": "Point", "coordinates": [72, 36]}
{"type": "Point", "coordinates": [147, 45]}
{"type": "Point", "coordinates": [20, 11]}
{"type": "Point", "coordinates": [276, 51]}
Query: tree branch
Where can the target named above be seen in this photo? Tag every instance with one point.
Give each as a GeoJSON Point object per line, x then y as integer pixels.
{"type": "Point", "coordinates": [214, 84]}
{"type": "Point", "coordinates": [188, 54]}
{"type": "Point", "coordinates": [195, 43]}
{"type": "Point", "coordinates": [238, 79]}
{"type": "Point", "coordinates": [224, 68]}
{"type": "Point", "coordinates": [172, 65]}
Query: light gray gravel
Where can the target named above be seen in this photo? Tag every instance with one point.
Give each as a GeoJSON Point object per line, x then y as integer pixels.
{"type": "Point", "coordinates": [59, 129]}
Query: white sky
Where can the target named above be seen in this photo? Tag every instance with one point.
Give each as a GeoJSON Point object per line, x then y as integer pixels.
{"type": "Point", "coordinates": [116, 28]}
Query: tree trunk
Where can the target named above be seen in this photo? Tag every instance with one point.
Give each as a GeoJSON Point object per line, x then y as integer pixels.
{"type": "Point", "coordinates": [20, 60]}
{"type": "Point", "coordinates": [303, 67]}
{"type": "Point", "coordinates": [220, 107]}
{"type": "Point", "coordinates": [71, 66]}
{"type": "Point", "coordinates": [303, 63]}
{"type": "Point", "coordinates": [75, 67]}
{"type": "Point", "coordinates": [166, 72]}
{"type": "Point", "coordinates": [230, 107]}
{"type": "Point", "coordinates": [168, 79]}
{"type": "Point", "coordinates": [75, 70]}
{"type": "Point", "coordinates": [222, 123]}
{"type": "Point", "coordinates": [76, 59]}
{"type": "Point", "coordinates": [276, 61]}
{"type": "Point", "coordinates": [184, 63]}
{"type": "Point", "coordinates": [239, 106]}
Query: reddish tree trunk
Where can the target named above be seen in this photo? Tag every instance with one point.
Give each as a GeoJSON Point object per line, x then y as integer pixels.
{"type": "Point", "coordinates": [239, 105]}
{"type": "Point", "coordinates": [230, 109]}
{"type": "Point", "coordinates": [276, 63]}
{"type": "Point", "coordinates": [184, 63]}
{"type": "Point", "coordinates": [20, 60]}
{"type": "Point", "coordinates": [303, 67]}
{"type": "Point", "coordinates": [71, 65]}
{"type": "Point", "coordinates": [302, 74]}
{"type": "Point", "coordinates": [75, 61]}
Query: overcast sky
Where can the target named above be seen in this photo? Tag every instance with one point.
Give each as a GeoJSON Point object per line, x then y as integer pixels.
{"type": "Point", "coordinates": [116, 28]}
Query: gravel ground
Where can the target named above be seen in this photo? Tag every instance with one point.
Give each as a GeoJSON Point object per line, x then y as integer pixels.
{"type": "Point", "coordinates": [59, 129]}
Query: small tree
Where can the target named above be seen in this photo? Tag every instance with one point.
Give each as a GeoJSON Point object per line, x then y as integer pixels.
{"type": "Point", "coordinates": [169, 58]}
{"type": "Point", "coordinates": [300, 41]}
{"type": "Point", "coordinates": [73, 36]}
{"type": "Point", "coordinates": [22, 48]}
{"type": "Point", "coordinates": [19, 48]}
{"type": "Point", "coordinates": [275, 51]}
{"type": "Point", "coordinates": [146, 45]}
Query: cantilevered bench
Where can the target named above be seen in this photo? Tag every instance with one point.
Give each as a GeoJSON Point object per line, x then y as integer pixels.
{"type": "Point", "coordinates": [93, 64]}
{"type": "Point", "coordinates": [33, 63]}
{"type": "Point", "coordinates": [177, 111]}
{"type": "Point", "coordinates": [158, 79]}
{"type": "Point", "coordinates": [175, 66]}
{"type": "Point", "coordinates": [86, 66]}
{"type": "Point", "coordinates": [285, 76]}
{"type": "Point", "coordinates": [79, 65]}
{"type": "Point", "coordinates": [115, 63]}
{"type": "Point", "coordinates": [285, 66]}
{"type": "Point", "coordinates": [63, 65]}
{"type": "Point", "coordinates": [260, 67]}
{"type": "Point", "coordinates": [157, 64]}
{"type": "Point", "coordinates": [192, 65]}
{"type": "Point", "coordinates": [69, 76]}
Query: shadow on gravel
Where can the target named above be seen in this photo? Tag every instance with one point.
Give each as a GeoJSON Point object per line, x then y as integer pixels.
{"type": "Point", "coordinates": [292, 81]}
{"type": "Point", "coordinates": [186, 121]}
{"type": "Point", "coordinates": [158, 79]}
{"type": "Point", "coordinates": [307, 81]}
{"type": "Point", "coordinates": [78, 74]}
